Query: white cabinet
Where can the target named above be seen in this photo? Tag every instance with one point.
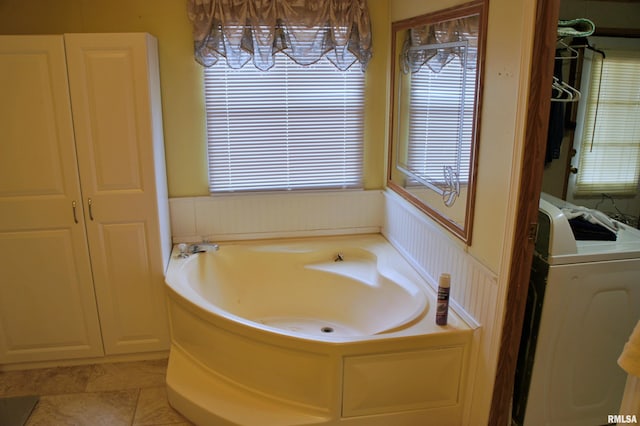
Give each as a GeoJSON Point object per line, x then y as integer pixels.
{"type": "Point", "coordinates": [84, 227]}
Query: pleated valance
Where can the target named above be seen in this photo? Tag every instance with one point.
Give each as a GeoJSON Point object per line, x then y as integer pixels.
{"type": "Point", "coordinates": [437, 44]}
{"type": "Point", "coordinates": [305, 30]}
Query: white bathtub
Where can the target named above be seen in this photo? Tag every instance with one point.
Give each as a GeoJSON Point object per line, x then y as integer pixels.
{"type": "Point", "coordinates": [332, 330]}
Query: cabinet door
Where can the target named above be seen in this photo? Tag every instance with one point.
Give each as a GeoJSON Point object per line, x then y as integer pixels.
{"type": "Point", "coordinates": [47, 302]}
{"type": "Point", "coordinates": [110, 79]}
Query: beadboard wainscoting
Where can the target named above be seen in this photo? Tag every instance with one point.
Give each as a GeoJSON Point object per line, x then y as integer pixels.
{"type": "Point", "coordinates": [474, 288]}
{"type": "Point", "coordinates": [276, 215]}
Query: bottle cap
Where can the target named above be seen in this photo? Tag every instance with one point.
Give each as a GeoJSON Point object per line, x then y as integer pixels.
{"type": "Point", "coordinates": [445, 281]}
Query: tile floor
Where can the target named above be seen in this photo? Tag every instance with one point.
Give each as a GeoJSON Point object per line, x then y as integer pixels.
{"type": "Point", "coordinates": [123, 393]}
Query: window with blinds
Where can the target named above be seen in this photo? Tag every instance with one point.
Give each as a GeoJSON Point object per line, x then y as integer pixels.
{"type": "Point", "coordinates": [610, 143]}
{"type": "Point", "coordinates": [440, 122]}
{"type": "Point", "coordinates": [292, 127]}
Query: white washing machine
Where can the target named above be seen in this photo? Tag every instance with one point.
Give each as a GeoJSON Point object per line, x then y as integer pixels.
{"type": "Point", "coordinates": [583, 302]}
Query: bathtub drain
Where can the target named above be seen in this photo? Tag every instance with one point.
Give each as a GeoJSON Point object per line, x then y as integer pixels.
{"type": "Point", "coordinates": [327, 329]}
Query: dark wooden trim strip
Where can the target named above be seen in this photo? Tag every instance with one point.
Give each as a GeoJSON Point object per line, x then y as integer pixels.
{"type": "Point", "coordinates": [527, 208]}
{"type": "Point", "coordinates": [617, 32]}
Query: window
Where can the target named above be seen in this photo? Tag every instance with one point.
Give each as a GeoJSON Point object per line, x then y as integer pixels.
{"type": "Point", "coordinates": [610, 142]}
{"type": "Point", "coordinates": [292, 127]}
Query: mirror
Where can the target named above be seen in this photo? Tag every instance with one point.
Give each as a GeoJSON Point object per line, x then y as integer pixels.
{"type": "Point", "coordinates": [436, 77]}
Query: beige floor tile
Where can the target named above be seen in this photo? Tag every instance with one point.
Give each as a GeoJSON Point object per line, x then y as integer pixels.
{"type": "Point", "coordinates": [53, 381]}
{"type": "Point", "coordinates": [18, 383]}
{"type": "Point", "coordinates": [153, 409]}
{"type": "Point", "coordinates": [86, 409]}
{"type": "Point", "coordinates": [127, 375]}
{"type": "Point", "coordinates": [45, 381]}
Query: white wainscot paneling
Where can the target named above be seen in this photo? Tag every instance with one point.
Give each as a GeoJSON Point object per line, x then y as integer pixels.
{"type": "Point", "coordinates": [433, 252]}
{"type": "Point", "coordinates": [274, 215]}
{"type": "Point", "coordinates": [474, 288]}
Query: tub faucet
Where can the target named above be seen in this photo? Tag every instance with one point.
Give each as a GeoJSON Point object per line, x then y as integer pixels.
{"type": "Point", "coordinates": [204, 246]}
{"type": "Point", "coordinates": [188, 249]}
{"type": "Point", "coordinates": [338, 258]}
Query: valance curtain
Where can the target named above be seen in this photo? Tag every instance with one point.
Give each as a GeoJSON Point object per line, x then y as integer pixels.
{"type": "Point", "coordinates": [305, 30]}
{"type": "Point", "coordinates": [435, 45]}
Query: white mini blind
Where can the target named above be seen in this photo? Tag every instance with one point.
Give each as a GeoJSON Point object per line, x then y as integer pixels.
{"type": "Point", "coordinates": [610, 145]}
{"type": "Point", "coordinates": [441, 121]}
{"type": "Point", "coordinates": [292, 127]}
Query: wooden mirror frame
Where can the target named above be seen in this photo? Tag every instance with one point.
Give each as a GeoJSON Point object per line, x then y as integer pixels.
{"type": "Point", "coordinates": [479, 8]}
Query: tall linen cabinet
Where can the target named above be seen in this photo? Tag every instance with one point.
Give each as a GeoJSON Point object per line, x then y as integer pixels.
{"type": "Point", "coordinates": [84, 225]}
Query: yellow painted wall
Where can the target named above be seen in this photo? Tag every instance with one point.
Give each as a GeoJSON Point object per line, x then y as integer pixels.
{"type": "Point", "coordinates": [505, 76]}
{"type": "Point", "coordinates": [181, 76]}
{"type": "Point", "coordinates": [502, 124]}
{"type": "Point", "coordinates": [183, 101]}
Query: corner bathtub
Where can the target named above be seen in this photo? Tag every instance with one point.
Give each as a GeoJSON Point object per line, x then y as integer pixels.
{"type": "Point", "coordinates": [331, 330]}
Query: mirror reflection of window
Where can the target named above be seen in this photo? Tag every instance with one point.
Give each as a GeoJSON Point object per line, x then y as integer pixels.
{"type": "Point", "coordinates": [440, 118]}
{"type": "Point", "coordinates": [439, 63]}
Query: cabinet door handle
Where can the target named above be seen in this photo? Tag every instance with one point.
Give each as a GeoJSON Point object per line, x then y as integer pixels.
{"type": "Point", "coordinates": [90, 203]}
{"type": "Point", "coordinates": [73, 208]}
